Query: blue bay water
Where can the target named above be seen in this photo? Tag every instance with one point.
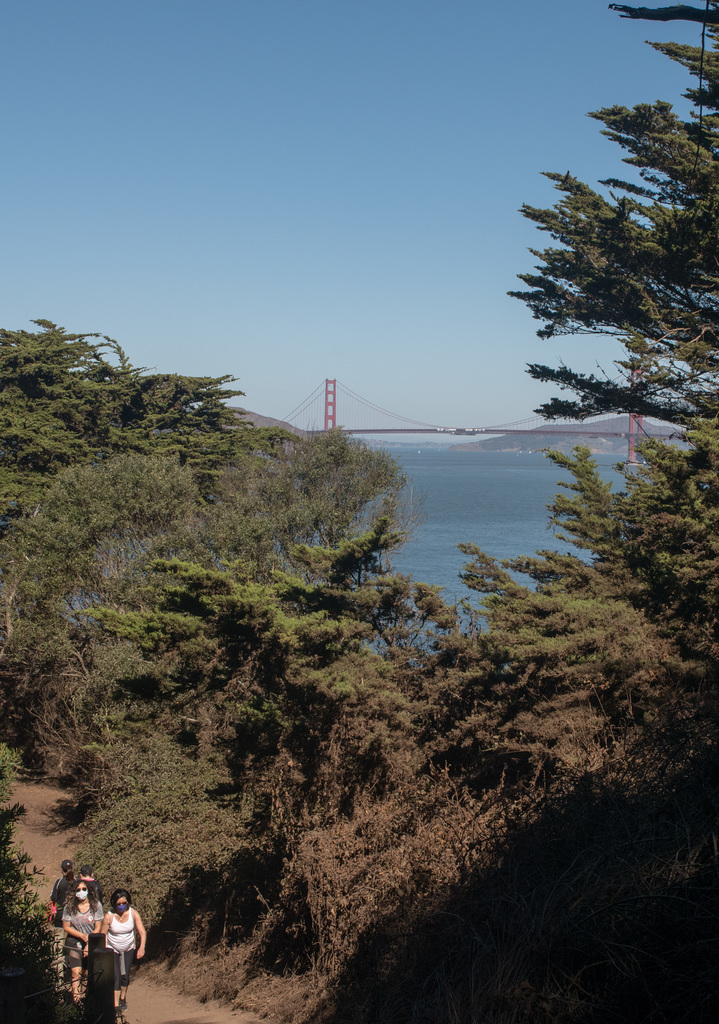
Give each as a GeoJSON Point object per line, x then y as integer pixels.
{"type": "Point", "coordinates": [496, 500]}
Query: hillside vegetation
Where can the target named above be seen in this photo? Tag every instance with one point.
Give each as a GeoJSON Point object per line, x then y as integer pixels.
{"type": "Point", "coordinates": [335, 797]}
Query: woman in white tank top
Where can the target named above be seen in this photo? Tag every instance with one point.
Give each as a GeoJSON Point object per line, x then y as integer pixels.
{"type": "Point", "coordinates": [120, 927]}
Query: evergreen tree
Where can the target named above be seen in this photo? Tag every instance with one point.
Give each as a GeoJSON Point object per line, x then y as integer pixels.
{"type": "Point", "coordinates": [319, 490]}
{"type": "Point", "coordinates": [69, 399]}
{"type": "Point", "coordinates": [602, 639]}
{"type": "Point", "coordinates": [638, 260]}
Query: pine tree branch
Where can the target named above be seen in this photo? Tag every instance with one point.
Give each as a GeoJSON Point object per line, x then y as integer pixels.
{"type": "Point", "coordinates": [680, 12]}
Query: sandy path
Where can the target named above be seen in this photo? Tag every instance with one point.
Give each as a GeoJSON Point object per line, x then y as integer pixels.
{"type": "Point", "coordinates": [48, 836]}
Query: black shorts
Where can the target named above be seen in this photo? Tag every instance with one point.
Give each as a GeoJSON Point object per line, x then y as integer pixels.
{"type": "Point", "coordinates": [75, 954]}
{"type": "Point", "coordinates": [123, 963]}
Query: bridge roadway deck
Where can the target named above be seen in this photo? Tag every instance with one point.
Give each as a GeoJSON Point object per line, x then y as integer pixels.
{"type": "Point", "coordinates": [472, 431]}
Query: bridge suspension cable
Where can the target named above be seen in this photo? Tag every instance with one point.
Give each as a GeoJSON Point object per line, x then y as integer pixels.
{"type": "Point", "coordinates": [378, 408]}
{"type": "Point", "coordinates": [320, 412]}
{"type": "Point", "coordinates": [311, 401]}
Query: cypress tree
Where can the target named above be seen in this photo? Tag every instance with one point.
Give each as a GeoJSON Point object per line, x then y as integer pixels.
{"type": "Point", "coordinates": [638, 259]}
{"type": "Point", "coordinates": [72, 399]}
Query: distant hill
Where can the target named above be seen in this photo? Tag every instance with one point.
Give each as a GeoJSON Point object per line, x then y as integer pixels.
{"type": "Point", "coordinates": [265, 421]}
{"type": "Point", "coordinates": [539, 437]}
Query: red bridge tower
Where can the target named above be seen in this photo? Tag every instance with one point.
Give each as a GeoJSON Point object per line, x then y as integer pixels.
{"type": "Point", "coordinates": [330, 404]}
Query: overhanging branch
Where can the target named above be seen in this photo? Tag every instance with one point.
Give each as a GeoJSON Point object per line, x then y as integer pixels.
{"type": "Point", "coordinates": [680, 12]}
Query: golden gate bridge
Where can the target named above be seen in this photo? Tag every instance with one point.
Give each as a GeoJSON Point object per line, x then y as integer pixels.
{"type": "Point", "coordinates": [332, 404]}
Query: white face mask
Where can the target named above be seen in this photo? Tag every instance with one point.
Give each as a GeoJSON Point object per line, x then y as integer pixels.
{"type": "Point", "coordinates": [82, 894]}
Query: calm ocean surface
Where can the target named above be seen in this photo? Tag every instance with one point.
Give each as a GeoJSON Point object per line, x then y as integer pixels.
{"type": "Point", "coordinates": [497, 500]}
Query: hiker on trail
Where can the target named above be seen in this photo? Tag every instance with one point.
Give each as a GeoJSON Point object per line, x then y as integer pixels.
{"type": "Point", "coordinates": [59, 892]}
{"type": "Point", "coordinates": [81, 916]}
{"type": "Point", "coordinates": [60, 889]}
{"type": "Point", "coordinates": [87, 876]}
{"type": "Point", "coordinates": [120, 927]}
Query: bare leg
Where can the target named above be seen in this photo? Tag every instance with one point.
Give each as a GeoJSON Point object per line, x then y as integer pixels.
{"type": "Point", "coordinates": [75, 976]}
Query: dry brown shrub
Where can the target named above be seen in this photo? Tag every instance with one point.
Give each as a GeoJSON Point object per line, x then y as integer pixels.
{"type": "Point", "coordinates": [554, 905]}
{"type": "Point", "coordinates": [603, 908]}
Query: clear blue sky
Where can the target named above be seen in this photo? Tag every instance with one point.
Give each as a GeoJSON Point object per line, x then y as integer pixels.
{"type": "Point", "coordinates": [288, 190]}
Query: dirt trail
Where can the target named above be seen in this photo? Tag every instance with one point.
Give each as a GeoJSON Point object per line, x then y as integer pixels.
{"type": "Point", "coordinates": [48, 836]}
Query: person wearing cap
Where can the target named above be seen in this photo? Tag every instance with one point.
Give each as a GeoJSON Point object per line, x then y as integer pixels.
{"type": "Point", "coordinates": [59, 892]}
{"type": "Point", "coordinates": [57, 901]}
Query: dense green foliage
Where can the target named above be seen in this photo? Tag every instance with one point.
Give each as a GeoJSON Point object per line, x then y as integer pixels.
{"type": "Point", "coordinates": [67, 400]}
{"type": "Point", "coordinates": [322, 778]}
{"type": "Point", "coordinates": [336, 798]}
